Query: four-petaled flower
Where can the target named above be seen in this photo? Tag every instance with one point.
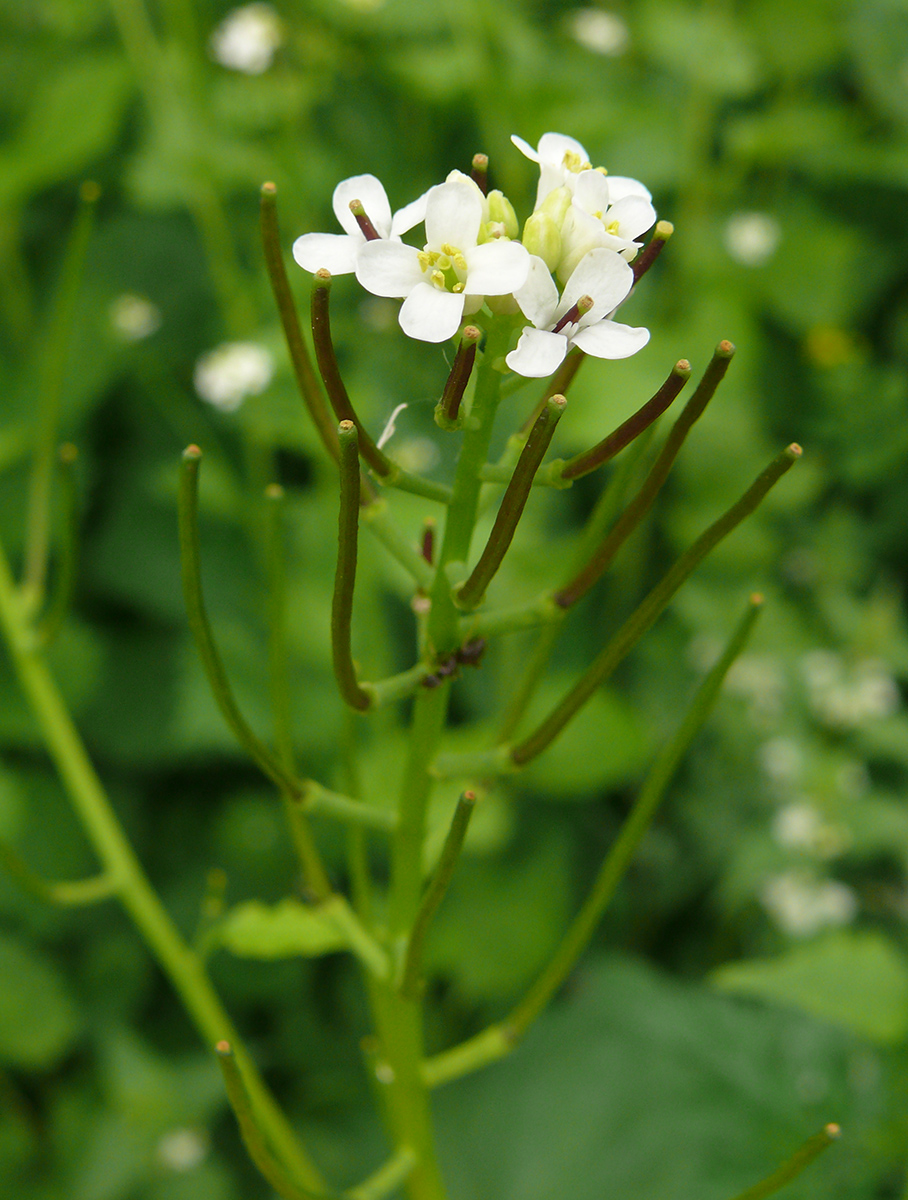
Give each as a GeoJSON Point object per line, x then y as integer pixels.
{"type": "Point", "coordinates": [336, 252]}
{"type": "Point", "coordinates": [451, 276]}
{"type": "Point", "coordinates": [603, 278]}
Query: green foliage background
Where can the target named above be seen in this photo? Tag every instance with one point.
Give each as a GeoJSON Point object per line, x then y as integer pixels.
{"type": "Point", "coordinates": [700, 1042]}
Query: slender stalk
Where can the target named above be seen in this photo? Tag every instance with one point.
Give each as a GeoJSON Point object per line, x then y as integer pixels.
{"type": "Point", "coordinates": [645, 259]}
{"type": "Point", "coordinates": [201, 629]}
{"type": "Point", "coordinates": [602, 557]}
{"type": "Point", "coordinates": [650, 609]}
{"type": "Point", "coordinates": [320, 801]}
{"type": "Point", "coordinates": [802, 1158]}
{"type": "Point", "coordinates": [50, 391]}
{"type": "Point", "coordinates": [306, 378]}
{"type": "Point", "coordinates": [345, 575]}
{"type": "Point", "coordinates": [387, 1179]}
{"type": "Point", "coordinates": [630, 429]}
{"type": "Point", "coordinates": [361, 943]}
{"type": "Point", "coordinates": [182, 965]}
{"type": "Point", "coordinates": [435, 893]}
{"type": "Point", "coordinates": [471, 593]}
{"type": "Point", "coordinates": [65, 582]}
{"type": "Point", "coordinates": [252, 1134]}
{"type": "Point", "coordinates": [397, 687]}
{"type": "Point", "coordinates": [73, 893]}
{"type": "Point", "coordinates": [447, 411]}
{"type": "Point", "coordinates": [331, 376]}
{"type": "Point", "coordinates": [632, 832]}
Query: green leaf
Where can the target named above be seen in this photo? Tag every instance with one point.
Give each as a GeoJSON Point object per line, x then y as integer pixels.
{"type": "Point", "coordinates": [638, 1087]}
{"type": "Point", "coordinates": [256, 930]}
{"type": "Point", "coordinates": [38, 1020]}
{"type": "Point", "coordinates": [853, 978]}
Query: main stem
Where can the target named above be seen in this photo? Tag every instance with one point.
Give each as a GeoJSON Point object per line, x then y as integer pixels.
{"type": "Point", "coordinates": [138, 897]}
{"type": "Point", "coordinates": [398, 1018]}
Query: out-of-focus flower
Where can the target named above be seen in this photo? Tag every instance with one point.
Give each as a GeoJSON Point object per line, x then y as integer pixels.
{"type": "Point", "coordinates": [761, 679]}
{"type": "Point", "coordinates": [847, 695]}
{"type": "Point", "coordinates": [247, 39]}
{"type": "Point", "coordinates": [232, 371]}
{"type": "Point", "coordinates": [752, 237]}
{"type": "Point", "coordinates": [453, 273]}
{"type": "Point", "coordinates": [802, 905]}
{"type": "Point", "coordinates": [782, 759]}
{"type": "Point", "coordinates": [337, 252]}
{"type": "Point", "coordinates": [602, 277]}
{"type": "Point", "coordinates": [598, 31]}
{"type": "Point", "coordinates": [134, 317]}
{"type": "Point", "coordinates": [801, 827]}
{"type": "Point", "coordinates": [183, 1149]}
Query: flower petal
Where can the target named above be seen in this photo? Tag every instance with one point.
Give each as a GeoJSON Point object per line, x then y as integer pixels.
{"type": "Point", "coordinates": [553, 147]}
{"type": "Point", "coordinates": [388, 268]}
{"type": "Point", "coordinates": [336, 252]}
{"type": "Point", "coordinates": [370, 191]}
{"type": "Point", "coordinates": [602, 274]}
{"type": "Point", "coordinates": [620, 186]}
{"type": "Point", "coordinates": [431, 315]}
{"type": "Point", "coordinates": [538, 353]}
{"type": "Point", "coordinates": [608, 339]}
{"type": "Point", "coordinates": [634, 215]}
{"type": "Point", "coordinates": [453, 216]}
{"type": "Point", "coordinates": [496, 268]}
{"type": "Point", "coordinates": [591, 192]}
{"type": "Point", "coordinates": [525, 148]}
{"type": "Point", "coordinates": [411, 214]}
{"type": "Point", "coordinates": [538, 297]}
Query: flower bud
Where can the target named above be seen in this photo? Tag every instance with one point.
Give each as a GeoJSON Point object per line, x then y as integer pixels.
{"type": "Point", "coordinates": [502, 211]}
{"type": "Point", "coordinates": [542, 236]}
{"type": "Point", "coordinates": [556, 204]}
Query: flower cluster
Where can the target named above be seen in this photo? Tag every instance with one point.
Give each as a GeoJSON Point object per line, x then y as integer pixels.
{"type": "Point", "coordinates": [566, 275]}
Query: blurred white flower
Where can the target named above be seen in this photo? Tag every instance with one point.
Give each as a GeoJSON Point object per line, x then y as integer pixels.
{"type": "Point", "coordinates": [598, 31]}
{"type": "Point", "coordinates": [801, 826]}
{"type": "Point", "coordinates": [134, 317]}
{"type": "Point", "coordinates": [232, 371]}
{"type": "Point", "coordinates": [802, 905]}
{"type": "Point", "coordinates": [247, 39]}
{"type": "Point", "coordinates": [761, 680]}
{"type": "Point", "coordinates": [782, 759]}
{"type": "Point", "coordinates": [183, 1149]}
{"type": "Point", "coordinates": [752, 237]}
{"type": "Point", "coordinates": [847, 695]}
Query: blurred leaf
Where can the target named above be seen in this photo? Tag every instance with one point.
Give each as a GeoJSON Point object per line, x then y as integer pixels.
{"type": "Point", "coordinates": [703, 44]}
{"type": "Point", "coordinates": [637, 1087]}
{"type": "Point", "coordinates": [253, 930]}
{"type": "Point", "coordinates": [38, 1019]}
{"type": "Point", "coordinates": [857, 979]}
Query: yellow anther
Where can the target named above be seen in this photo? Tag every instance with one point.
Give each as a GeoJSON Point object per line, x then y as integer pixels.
{"type": "Point", "coordinates": [460, 263]}
{"type": "Point", "coordinates": [438, 279]}
{"type": "Point", "coordinates": [613, 227]}
{"type": "Point", "coordinates": [424, 260]}
{"type": "Point", "coordinates": [458, 287]}
{"type": "Point", "coordinates": [601, 170]}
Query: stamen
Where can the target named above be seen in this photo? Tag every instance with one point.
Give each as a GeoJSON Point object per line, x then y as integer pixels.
{"type": "Point", "coordinates": [583, 305]}
{"type": "Point", "coordinates": [369, 232]}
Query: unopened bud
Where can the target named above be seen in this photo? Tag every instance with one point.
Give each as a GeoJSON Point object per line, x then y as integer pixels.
{"type": "Point", "coordinates": [501, 210]}
{"type": "Point", "coordinates": [556, 204]}
{"type": "Point", "coordinates": [542, 236]}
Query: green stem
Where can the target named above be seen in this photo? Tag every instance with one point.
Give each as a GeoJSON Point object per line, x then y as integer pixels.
{"type": "Point", "coordinates": [201, 630]}
{"type": "Point", "coordinates": [397, 687]}
{"type": "Point", "coordinates": [632, 832]}
{"type": "Point", "coordinates": [602, 557]}
{"type": "Point", "coordinates": [50, 391]}
{"type": "Point", "coordinates": [345, 575]}
{"type": "Point", "coordinates": [65, 582]}
{"type": "Point", "coordinates": [318, 800]}
{"type": "Point", "coordinates": [802, 1158]}
{"type": "Point", "coordinates": [306, 379]}
{"type": "Point", "coordinates": [253, 1135]}
{"type": "Point", "coordinates": [629, 430]}
{"type": "Point", "coordinates": [387, 1179]}
{"type": "Point", "coordinates": [179, 962]}
{"type": "Point", "coordinates": [435, 893]}
{"type": "Point", "coordinates": [650, 609]}
{"type": "Point", "coordinates": [471, 593]}
{"type": "Point", "coordinates": [67, 894]}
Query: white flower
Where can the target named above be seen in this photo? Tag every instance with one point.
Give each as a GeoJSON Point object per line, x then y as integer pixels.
{"type": "Point", "coordinates": [752, 237]}
{"type": "Point", "coordinates": [598, 31]}
{"type": "Point", "coordinates": [134, 317]}
{"type": "Point", "coordinates": [606, 279]}
{"type": "Point", "coordinates": [183, 1149]}
{"type": "Point", "coordinates": [608, 212]}
{"type": "Point", "coordinates": [247, 39]}
{"type": "Point", "coordinates": [225, 376]}
{"type": "Point", "coordinates": [562, 161]}
{"type": "Point", "coordinates": [802, 905]}
{"type": "Point", "coordinates": [337, 252]}
{"type": "Point", "coordinates": [452, 275]}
